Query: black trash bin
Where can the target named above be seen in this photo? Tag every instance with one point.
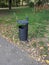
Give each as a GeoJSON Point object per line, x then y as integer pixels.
{"type": "Point", "coordinates": [23, 30]}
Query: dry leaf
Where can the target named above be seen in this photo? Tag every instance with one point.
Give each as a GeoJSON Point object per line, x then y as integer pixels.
{"type": "Point", "coordinates": [47, 44]}
{"type": "Point", "coordinates": [41, 47]}
{"type": "Point", "coordinates": [39, 59]}
{"type": "Point", "coordinates": [42, 60]}
{"type": "Point", "coordinates": [44, 55]}
{"type": "Point", "coordinates": [47, 61]}
{"type": "Point", "coordinates": [48, 48]}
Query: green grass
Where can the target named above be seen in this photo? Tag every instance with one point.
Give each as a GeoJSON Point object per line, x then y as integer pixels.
{"type": "Point", "coordinates": [37, 21]}
{"type": "Point", "coordinates": [36, 28]}
{"type": "Point", "coordinates": [41, 43]}
{"type": "Point", "coordinates": [44, 51]}
{"type": "Point", "coordinates": [34, 44]}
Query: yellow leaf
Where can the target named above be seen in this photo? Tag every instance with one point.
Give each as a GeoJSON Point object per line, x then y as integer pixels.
{"type": "Point", "coordinates": [47, 44]}
{"type": "Point", "coordinates": [47, 61]}
{"type": "Point", "coordinates": [44, 55]}
{"type": "Point", "coordinates": [41, 47]}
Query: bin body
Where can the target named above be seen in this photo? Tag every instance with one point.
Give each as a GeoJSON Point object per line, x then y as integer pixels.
{"type": "Point", "coordinates": [23, 30]}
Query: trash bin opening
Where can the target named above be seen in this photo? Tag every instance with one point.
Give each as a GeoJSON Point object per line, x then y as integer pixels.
{"type": "Point", "coordinates": [21, 27]}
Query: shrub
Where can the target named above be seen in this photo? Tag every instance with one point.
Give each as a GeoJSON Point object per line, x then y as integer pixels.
{"type": "Point", "coordinates": [3, 5]}
{"type": "Point", "coordinates": [31, 4]}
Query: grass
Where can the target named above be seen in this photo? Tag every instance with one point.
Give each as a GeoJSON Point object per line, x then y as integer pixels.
{"type": "Point", "coordinates": [34, 44]}
{"type": "Point", "coordinates": [37, 21]}
{"type": "Point", "coordinates": [41, 43]}
{"type": "Point", "coordinates": [36, 28]}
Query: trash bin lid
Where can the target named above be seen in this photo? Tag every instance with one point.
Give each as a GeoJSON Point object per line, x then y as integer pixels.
{"type": "Point", "coordinates": [22, 22]}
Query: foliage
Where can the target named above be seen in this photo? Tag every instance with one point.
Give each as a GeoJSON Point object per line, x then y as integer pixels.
{"type": "Point", "coordinates": [3, 5]}
{"type": "Point", "coordinates": [31, 4]}
{"type": "Point", "coordinates": [17, 3]}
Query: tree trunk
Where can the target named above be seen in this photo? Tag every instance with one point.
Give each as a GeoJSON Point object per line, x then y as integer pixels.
{"type": "Point", "coordinates": [10, 2]}
{"type": "Point", "coordinates": [22, 2]}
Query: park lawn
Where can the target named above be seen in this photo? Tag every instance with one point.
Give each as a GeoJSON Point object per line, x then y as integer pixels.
{"type": "Point", "coordinates": [38, 29]}
{"type": "Point", "coordinates": [37, 21]}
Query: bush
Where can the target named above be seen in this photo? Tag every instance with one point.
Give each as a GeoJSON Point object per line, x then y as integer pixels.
{"type": "Point", "coordinates": [3, 5]}
{"type": "Point", "coordinates": [39, 3]}
{"type": "Point", "coordinates": [31, 4]}
{"type": "Point", "coordinates": [17, 3]}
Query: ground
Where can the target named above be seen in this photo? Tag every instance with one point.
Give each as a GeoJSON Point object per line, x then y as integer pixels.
{"type": "Point", "coordinates": [12, 55]}
{"type": "Point", "coordinates": [38, 31]}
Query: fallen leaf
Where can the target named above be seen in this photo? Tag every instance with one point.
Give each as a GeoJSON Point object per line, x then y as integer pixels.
{"type": "Point", "coordinates": [44, 55]}
{"type": "Point", "coordinates": [41, 47]}
{"type": "Point", "coordinates": [42, 60]}
{"type": "Point", "coordinates": [48, 48]}
{"type": "Point", "coordinates": [39, 59]}
{"type": "Point", "coordinates": [47, 61]}
{"type": "Point", "coordinates": [47, 44]}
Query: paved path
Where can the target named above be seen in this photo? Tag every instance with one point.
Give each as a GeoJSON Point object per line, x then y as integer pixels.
{"type": "Point", "coordinates": [12, 55]}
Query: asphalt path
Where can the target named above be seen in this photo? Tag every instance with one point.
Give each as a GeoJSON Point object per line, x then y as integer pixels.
{"type": "Point", "coordinates": [13, 55]}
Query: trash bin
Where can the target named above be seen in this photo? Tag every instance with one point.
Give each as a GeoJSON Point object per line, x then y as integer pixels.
{"type": "Point", "coordinates": [23, 30]}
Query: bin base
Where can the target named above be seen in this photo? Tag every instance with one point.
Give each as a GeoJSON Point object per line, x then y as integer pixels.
{"type": "Point", "coordinates": [24, 42]}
